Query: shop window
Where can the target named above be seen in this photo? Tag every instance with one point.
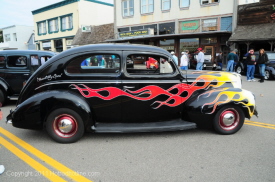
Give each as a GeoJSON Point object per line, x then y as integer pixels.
{"type": "Point", "coordinates": [209, 25]}
{"type": "Point", "coordinates": [226, 23]}
{"type": "Point", "coordinates": [184, 3]}
{"type": "Point", "coordinates": [209, 40]}
{"type": "Point", "coordinates": [146, 64]}
{"type": "Point", "coordinates": [95, 64]}
{"type": "Point", "coordinates": [41, 26]}
{"type": "Point", "coordinates": [123, 29]}
{"type": "Point", "coordinates": [167, 28]}
{"type": "Point", "coordinates": [17, 61]}
{"type": "Point", "coordinates": [167, 44]}
{"type": "Point", "coordinates": [209, 1]}
{"type": "Point", "coordinates": [7, 37]}
{"type": "Point", "coordinates": [147, 6]}
{"type": "Point", "coordinates": [189, 44]}
{"type": "Point", "coordinates": [137, 28]}
{"type": "Point", "coordinates": [154, 26]}
{"type": "Point", "coordinates": [166, 5]}
{"type": "Point", "coordinates": [128, 8]}
{"type": "Point", "coordinates": [2, 61]}
{"type": "Point", "coordinates": [53, 25]}
{"type": "Point", "coordinates": [66, 22]}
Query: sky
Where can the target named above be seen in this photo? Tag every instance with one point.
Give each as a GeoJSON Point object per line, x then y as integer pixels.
{"type": "Point", "coordinates": [19, 12]}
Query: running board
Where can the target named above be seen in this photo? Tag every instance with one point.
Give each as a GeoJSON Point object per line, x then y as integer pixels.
{"type": "Point", "coordinates": [143, 127]}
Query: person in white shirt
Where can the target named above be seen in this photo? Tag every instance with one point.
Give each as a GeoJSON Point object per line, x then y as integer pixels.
{"type": "Point", "coordinates": [200, 59]}
{"type": "Point", "coordinates": [175, 58]}
{"type": "Point", "coordinates": [184, 60]}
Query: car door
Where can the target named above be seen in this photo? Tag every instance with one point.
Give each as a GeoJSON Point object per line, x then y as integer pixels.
{"type": "Point", "coordinates": [96, 76]}
{"type": "Point", "coordinates": [17, 71]}
{"type": "Point", "coordinates": [148, 94]}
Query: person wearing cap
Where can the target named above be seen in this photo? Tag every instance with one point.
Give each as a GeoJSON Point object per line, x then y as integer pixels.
{"type": "Point", "coordinates": [200, 59]}
{"type": "Point", "coordinates": [230, 61]}
{"type": "Point", "coordinates": [175, 58]}
{"type": "Point", "coordinates": [184, 60]}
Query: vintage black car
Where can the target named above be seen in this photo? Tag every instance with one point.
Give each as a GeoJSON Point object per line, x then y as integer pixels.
{"type": "Point", "coordinates": [16, 66]}
{"type": "Point", "coordinates": [241, 67]}
{"type": "Point", "coordinates": [67, 98]}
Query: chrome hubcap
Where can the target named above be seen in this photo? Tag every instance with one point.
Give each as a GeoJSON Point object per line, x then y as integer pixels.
{"type": "Point", "coordinates": [228, 119]}
{"type": "Point", "coordinates": [65, 125]}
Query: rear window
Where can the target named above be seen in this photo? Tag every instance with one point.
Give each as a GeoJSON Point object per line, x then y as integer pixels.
{"type": "Point", "coordinates": [94, 64]}
{"type": "Point", "coordinates": [2, 61]}
{"type": "Point", "coordinates": [17, 61]}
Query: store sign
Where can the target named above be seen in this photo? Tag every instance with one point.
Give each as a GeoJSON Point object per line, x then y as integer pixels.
{"type": "Point", "coordinates": [136, 33]}
{"type": "Point", "coordinates": [46, 44]}
{"type": "Point", "coordinates": [190, 25]}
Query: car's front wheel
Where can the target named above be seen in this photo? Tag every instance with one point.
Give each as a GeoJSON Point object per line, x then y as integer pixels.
{"type": "Point", "coordinates": [267, 75]}
{"type": "Point", "coordinates": [239, 69]}
{"type": "Point", "coordinates": [65, 126]}
{"type": "Point", "coordinates": [228, 120]}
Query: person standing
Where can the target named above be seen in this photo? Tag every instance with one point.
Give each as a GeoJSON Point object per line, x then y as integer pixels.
{"type": "Point", "coordinates": [175, 58]}
{"type": "Point", "coordinates": [236, 59]}
{"type": "Point", "coordinates": [184, 60]}
{"type": "Point", "coordinates": [219, 60]}
{"type": "Point", "coordinates": [200, 59]}
{"type": "Point", "coordinates": [262, 60]}
{"type": "Point", "coordinates": [251, 62]}
{"type": "Point", "coordinates": [230, 61]}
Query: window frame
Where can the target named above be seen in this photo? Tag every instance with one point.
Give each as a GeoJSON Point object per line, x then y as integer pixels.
{"type": "Point", "coordinates": [7, 37]}
{"type": "Point", "coordinates": [43, 27]}
{"type": "Point", "coordinates": [68, 22]}
{"type": "Point", "coordinates": [16, 67]}
{"type": "Point", "coordinates": [209, 3]}
{"type": "Point", "coordinates": [183, 7]}
{"type": "Point", "coordinates": [162, 5]}
{"type": "Point", "coordinates": [55, 20]}
{"type": "Point", "coordinates": [147, 7]}
{"type": "Point", "coordinates": [128, 8]}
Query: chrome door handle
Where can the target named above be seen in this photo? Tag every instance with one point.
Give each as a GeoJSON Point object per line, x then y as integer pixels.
{"type": "Point", "coordinates": [126, 87]}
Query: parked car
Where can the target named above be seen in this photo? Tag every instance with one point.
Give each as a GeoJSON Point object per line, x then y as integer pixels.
{"type": "Point", "coordinates": [208, 64]}
{"type": "Point", "coordinates": [68, 99]}
{"type": "Point", "coordinates": [241, 67]}
{"type": "Point", "coordinates": [16, 66]}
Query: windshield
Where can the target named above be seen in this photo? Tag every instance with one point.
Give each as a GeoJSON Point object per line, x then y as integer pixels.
{"type": "Point", "coordinates": [271, 55]}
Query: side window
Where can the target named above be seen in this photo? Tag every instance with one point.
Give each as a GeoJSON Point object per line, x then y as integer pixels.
{"type": "Point", "coordinates": [94, 64]}
{"type": "Point", "coordinates": [148, 65]}
{"type": "Point", "coordinates": [2, 61]}
{"type": "Point", "coordinates": [35, 63]}
{"type": "Point", "coordinates": [44, 59]}
{"type": "Point", "coordinates": [17, 61]}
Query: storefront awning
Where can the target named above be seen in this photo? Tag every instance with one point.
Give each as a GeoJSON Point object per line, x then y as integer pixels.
{"type": "Point", "coordinates": [258, 32]}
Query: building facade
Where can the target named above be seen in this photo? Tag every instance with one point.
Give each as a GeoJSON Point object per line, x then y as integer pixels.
{"type": "Point", "coordinates": [16, 37]}
{"type": "Point", "coordinates": [176, 25]}
{"type": "Point", "coordinates": [57, 24]}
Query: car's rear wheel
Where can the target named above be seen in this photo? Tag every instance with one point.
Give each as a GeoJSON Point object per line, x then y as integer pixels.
{"type": "Point", "coordinates": [239, 69]}
{"type": "Point", "coordinates": [228, 120]}
{"type": "Point", "coordinates": [65, 126]}
{"type": "Point", "coordinates": [2, 98]}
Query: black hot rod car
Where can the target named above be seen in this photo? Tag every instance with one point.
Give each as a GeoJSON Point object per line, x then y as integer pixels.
{"type": "Point", "coordinates": [91, 88]}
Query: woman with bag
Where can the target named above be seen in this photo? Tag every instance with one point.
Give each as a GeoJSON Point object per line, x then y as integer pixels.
{"type": "Point", "coordinates": [263, 59]}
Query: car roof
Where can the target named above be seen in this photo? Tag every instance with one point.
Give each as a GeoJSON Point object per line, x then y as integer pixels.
{"type": "Point", "coordinates": [25, 52]}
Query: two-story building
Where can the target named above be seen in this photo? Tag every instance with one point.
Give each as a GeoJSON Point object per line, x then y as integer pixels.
{"type": "Point", "coordinates": [57, 24]}
{"type": "Point", "coordinates": [176, 25]}
{"type": "Point", "coordinates": [17, 37]}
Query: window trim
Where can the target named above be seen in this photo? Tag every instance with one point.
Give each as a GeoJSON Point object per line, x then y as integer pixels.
{"type": "Point", "coordinates": [128, 8]}
{"type": "Point", "coordinates": [57, 27]}
{"type": "Point", "coordinates": [184, 7]}
{"type": "Point", "coordinates": [209, 4]}
{"type": "Point", "coordinates": [147, 8]}
{"type": "Point", "coordinates": [15, 67]}
{"type": "Point", "coordinates": [38, 23]}
{"type": "Point", "coordinates": [65, 16]}
{"type": "Point", "coordinates": [165, 10]}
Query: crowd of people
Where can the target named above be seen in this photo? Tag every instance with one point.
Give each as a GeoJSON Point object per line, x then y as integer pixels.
{"type": "Point", "coordinates": [232, 60]}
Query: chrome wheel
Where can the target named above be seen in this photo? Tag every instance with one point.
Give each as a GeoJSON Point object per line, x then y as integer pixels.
{"type": "Point", "coordinates": [239, 70]}
{"type": "Point", "coordinates": [65, 126]}
{"type": "Point", "coordinates": [229, 119]}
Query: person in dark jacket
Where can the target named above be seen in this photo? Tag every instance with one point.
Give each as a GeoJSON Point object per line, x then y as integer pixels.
{"type": "Point", "coordinates": [263, 59]}
{"type": "Point", "coordinates": [251, 62]}
{"type": "Point", "coordinates": [219, 60]}
{"type": "Point", "coordinates": [230, 61]}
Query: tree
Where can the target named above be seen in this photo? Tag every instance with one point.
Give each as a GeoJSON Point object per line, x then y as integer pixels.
{"type": "Point", "coordinates": [1, 36]}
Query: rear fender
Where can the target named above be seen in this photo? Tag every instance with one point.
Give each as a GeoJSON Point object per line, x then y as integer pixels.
{"type": "Point", "coordinates": [33, 112]}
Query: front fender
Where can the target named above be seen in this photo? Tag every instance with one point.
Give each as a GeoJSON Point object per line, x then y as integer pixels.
{"type": "Point", "coordinates": [210, 101]}
{"type": "Point", "coordinates": [33, 112]}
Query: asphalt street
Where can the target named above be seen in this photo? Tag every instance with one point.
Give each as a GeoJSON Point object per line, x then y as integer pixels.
{"type": "Point", "coordinates": [193, 155]}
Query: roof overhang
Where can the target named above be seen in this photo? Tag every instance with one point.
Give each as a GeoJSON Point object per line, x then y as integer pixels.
{"type": "Point", "coordinates": [257, 32]}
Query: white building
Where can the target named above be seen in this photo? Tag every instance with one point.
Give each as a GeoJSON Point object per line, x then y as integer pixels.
{"type": "Point", "coordinates": [16, 37]}
{"type": "Point", "coordinates": [57, 24]}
